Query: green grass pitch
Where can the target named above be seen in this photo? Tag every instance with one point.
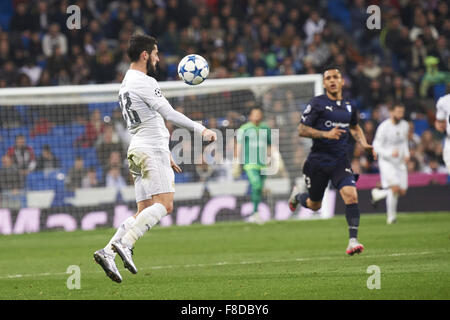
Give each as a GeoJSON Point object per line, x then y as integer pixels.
{"type": "Point", "coordinates": [289, 260]}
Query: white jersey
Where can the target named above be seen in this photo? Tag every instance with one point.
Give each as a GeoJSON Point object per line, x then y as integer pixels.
{"type": "Point", "coordinates": [144, 108]}
{"type": "Point", "coordinates": [443, 114]}
{"type": "Point", "coordinates": [443, 111]}
{"type": "Point", "coordinates": [390, 137]}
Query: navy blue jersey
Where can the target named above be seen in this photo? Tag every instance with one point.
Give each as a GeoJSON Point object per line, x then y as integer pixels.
{"type": "Point", "coordinates": [323, 114]}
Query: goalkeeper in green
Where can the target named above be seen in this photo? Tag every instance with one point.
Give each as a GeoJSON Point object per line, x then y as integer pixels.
{"type": "Point", "coordinates": [253, 150]}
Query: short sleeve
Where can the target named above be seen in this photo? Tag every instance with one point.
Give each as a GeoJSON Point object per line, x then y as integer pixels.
{"type": "Point", "coordinates": [311, 114]}
{"type": "Point", "coordinates": [440, 110]}
{"type": "Point", "coordinates": [354, 117]}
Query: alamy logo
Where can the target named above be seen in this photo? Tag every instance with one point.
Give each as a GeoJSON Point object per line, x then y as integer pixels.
{"type": "Point", "coordinates": [330, 123]}
{"type": "Point", "coordinates": [74, 20]}
{"type": "Point", "coordinates": [374, 20]}
{"type": "Point", "coordinates": [374, 281]}
{"type": "Point", "coordinates": [74, 280]}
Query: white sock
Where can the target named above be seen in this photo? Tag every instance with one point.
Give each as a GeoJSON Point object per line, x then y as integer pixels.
{"type": "Point", "coordinates": [145, 220]}
{"type": "Point", "coordinates": [391, 205]}
{"type": "Point", "coordinates": [121, 231]}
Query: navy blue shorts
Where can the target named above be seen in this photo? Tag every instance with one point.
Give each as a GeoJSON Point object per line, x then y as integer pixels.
{"type": "Point", "coordinates": [317, 177]}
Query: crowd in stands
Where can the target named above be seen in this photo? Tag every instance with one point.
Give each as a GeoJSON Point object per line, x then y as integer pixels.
{"type": "Point", "coordinates": [407, 61]}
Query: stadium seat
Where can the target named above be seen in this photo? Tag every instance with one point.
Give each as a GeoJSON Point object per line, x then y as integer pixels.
{"type": "Point", "coordinates": [106, 109]}
{"type": "Point", "coordinates": [189, 191]}
{"type": "Point", "coordinates": [37, 181]}
{"type": "Point", "coordinates": [93, 196]}
{"type": "Point", "coordinates": [89, 156]}
{"type": "Point", "coordinates": [439, 91]}
{"type": "Point", "coordinates": [6, 12]}
{"type": "Point", "coordinates": [279, 186]}
{"type": "Point", "coordinates": [183, 177]}
{"type": "Point", "coordinates": [128, 194]}
{"type": "Point", "coordinates": [420, 125]}
{"type": "Point", "coordinates": [40, 199]}
{"type": "Point", "coordinates": [235, 188]}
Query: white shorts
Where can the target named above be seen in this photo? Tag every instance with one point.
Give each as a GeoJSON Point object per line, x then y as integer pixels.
{"type": "Point", "coordinates": [393, 174]}
{"type": "Point", "coordinates": [446, 154]}
{"type": "Point", "coordinates": [152, 173]}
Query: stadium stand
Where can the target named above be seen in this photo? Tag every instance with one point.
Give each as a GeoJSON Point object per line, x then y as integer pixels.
{"type": "Point", "coordinates": [240, 38]}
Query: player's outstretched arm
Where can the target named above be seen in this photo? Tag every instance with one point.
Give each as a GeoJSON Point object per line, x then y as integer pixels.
{"type": "Point", "coordinates": [309, 132]}
{"type": "Point", "coordinates": [358, 135]}
{"type": "Point", "coordinates": [179, 119]}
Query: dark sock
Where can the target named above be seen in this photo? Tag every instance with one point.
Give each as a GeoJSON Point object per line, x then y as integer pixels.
{"type": "Point", "coordinates": [301, 198]}
{"type": "Point", "coordinates": [352, 216]}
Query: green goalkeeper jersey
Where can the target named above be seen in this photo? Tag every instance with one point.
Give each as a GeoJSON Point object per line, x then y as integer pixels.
{"type": "Point", "coordinates": [254, 141]}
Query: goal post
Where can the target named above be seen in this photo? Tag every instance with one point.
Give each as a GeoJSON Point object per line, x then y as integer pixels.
{"type": "Point", "coordinates": [82, 127]}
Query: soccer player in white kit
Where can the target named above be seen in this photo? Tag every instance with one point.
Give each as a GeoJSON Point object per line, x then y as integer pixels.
{"type": "Point", "coordinates": [442, 124]}
{"type": "Point", "coordinates": [391, 144]}
{"type": "Point", "coordinates": [144, 108]}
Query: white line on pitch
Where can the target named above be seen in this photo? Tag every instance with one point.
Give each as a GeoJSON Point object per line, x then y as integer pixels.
{"type": "Point", "coordinates": [12, 276]}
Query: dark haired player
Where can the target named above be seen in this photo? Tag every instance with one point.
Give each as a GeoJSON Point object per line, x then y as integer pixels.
{"type": "Point", "coordinates": [329, 119]}
{"type": "Point", "coordinates": [144, 108]}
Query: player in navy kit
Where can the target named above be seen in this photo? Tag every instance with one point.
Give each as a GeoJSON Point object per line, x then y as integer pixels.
{"type": "Point", "coordinates": [329, 120]}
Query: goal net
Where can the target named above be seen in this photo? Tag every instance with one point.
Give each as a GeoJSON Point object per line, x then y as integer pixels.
{"type": "Point", "coordinates": [64, 149]}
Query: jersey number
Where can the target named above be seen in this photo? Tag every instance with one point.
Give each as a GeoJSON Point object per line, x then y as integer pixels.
{"type": "Point", "coordinates": [131, 115]}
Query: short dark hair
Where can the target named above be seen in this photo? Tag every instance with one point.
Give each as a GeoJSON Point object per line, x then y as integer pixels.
{"type": "Point", "coordinates": [139, 43]}
{"type": "Point", "coordinates": [256, 108]}
{"type": "Point", "coordinates": [395, 105]}
{"type": "Point", "coordinates": [331, 67]}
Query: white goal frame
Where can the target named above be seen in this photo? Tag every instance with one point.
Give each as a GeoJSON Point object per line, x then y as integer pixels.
{"type": "Point", "coordinates": [103, 93]}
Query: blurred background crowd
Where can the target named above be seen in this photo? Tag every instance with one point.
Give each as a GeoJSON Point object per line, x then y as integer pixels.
{"type": "Point", "coordinates": [406, 61]}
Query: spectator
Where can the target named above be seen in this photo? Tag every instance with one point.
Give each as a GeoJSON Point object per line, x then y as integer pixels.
{"type": "Point", "coordinates": [117, 160]}
{"type": "Point", "coordinates": [10, 178]}
{"type": "Point", "coordinates": [41, 17]}
{"type": "Point", "coordinates": [90, 179]}
{"type": "Point", "coordinates": [314, 24]}
{"type": "Point", "coordinates": [21, 20]}
{"type": "Point", "coordinates": [54, 39]}
{"type": "Point", "coordinates": [11, 185]}
{"type": "Point", "coordinates": [76, 174]}
{"type": "Point", "coordinates": [109, 142]}
{"type": "Point", "coordinates": [93, 129]}
{"type": "Point", "coordinates": [47, 160]}
{"type": "Point", "coordinates": [56, 63]}
{"type": "Point", "coordinates": [115, 179]}
{"type": "Point", "coordinates": [22, 156]}
{"type": "Point", "coordinates": [32, 70]}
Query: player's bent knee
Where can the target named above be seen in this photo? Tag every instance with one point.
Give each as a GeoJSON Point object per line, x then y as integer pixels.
{"type": "Point", "coordinates": [395, 190]}
{"type": "Point", "coordinates": [349, 195]}
{"type": "Point", "coordinates": [169, 207]}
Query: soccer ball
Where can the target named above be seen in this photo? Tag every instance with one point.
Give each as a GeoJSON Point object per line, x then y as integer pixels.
{"type": "Point", "coordinates": [193, 69]}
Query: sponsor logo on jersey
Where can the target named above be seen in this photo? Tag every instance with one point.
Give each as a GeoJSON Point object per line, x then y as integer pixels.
{"type": "Point", "coordinates": [158, 92]}
{"type": "Point", "coordinates": [330, 123]}
{"type": "Point", "coordinates": [329, 108]}
{"type": "Point", "coordinates": [349, 107]}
